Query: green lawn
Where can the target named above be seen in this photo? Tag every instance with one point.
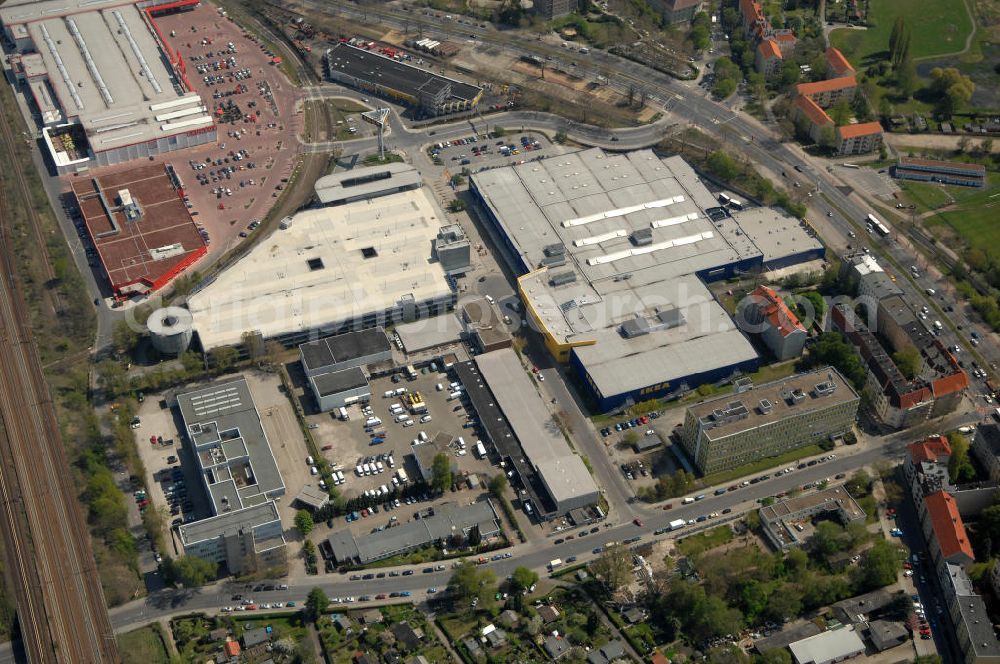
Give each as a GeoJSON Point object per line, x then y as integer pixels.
{"type": "Point", "coordinates": [143, 646]}
{"type": "Point", "coordinates": [975, 216]}
{"type": "Point", "coordinates": [692, 546]}
{"type": "Point", "coordinates": [938, 27]}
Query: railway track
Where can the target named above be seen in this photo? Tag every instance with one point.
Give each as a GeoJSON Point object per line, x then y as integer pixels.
{"type": "Point", "coordinates": [60, 603]}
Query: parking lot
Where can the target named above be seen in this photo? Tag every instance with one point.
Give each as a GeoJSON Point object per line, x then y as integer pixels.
{"type": "Point", "coordinates": [346, 444]}
{"type": "Point", "coordinates": [234, 181]}
{"type": "Point", "coordinates": [480, 152]}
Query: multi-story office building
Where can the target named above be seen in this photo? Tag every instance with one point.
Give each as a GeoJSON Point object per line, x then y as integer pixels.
{"type": "Point", "coordinates": [736, 429]}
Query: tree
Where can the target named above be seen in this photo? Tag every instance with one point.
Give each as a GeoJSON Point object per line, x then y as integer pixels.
{"type": "Point", "coordinates": [191, 570]}
{"type": "Point", "coordinates": [859, 484]}
{"type": "Point", "coordinates": [895, 36]}
{"type": "Point", "coordinates": [952, 88]}
{"type": "Point", "coordinates": [456, 205]}
{"type": "Point", "coordinates": [833, 348]}
{"type": "Point", "coordinates": [783, 604]}
{"type": "Point", "coordinates": [841, 112]}
{"type": "Point", "coordinates": [112, 377]}
{"type": "Point", "coordinates": [223, 358]}
{"type": "Point", "coordinates": [723, 88]}
{"type": "Point", "coordinates": [498, 485]}
{"type": "Point", "coordinates": [123, 337]}
{"type": "Point", "coordinates": [723, 166]}
{"type": "Point", "coordinates": [470, 581]}
{"type": "Point", "coordinates": [522, 579]}
{"type": "Point", "coordinates": [614, 567]}
{"type": "Point", "coordinates": [828, 538]}
{"type": "Point", "coordinates": [441, 473]}
{"type": "Point", "coordinates": [631, 437]}
{"type": "Point", "coordinates": [908, 361]}
{"type": "Point", "coordinates": [315, 605]}
{"type": "Point", "coordinates": [776, 656]}
{"type": "Point", "coordinates": [960, 468]}
{"type": "Point", "coordinates": [880, 566]}
{"type": "Point", "coordinates": [963, 143]}
{"type": "Point", "coordinates": [827, 137]}
{"type": "Point", "coordinates": [304, 522]}
{"type": "Point", "coordinates": [906, 79]}
{"type": "Point", "coordinates": [986, 147]}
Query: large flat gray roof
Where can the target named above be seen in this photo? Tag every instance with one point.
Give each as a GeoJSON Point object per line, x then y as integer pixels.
{"type": "Point", "coordinates": [447, 520]}
{"type": "Point", "coordinates": [345, 347]}
{"type": "Point", "coordinates": [332, 266]}
{"type": "Point", "coordinates": [233, 452]}
{"type": "Point", "coordinates": [543, 443]}
{"type": "Point", "coordinates": [336, 382]}
{"type": "Point", "coordinates": [108, 70]}
{"type": "Point", "coordinates": [365, 181]}
{"type": "Point", "coordinates": [430, 332]}
{"type": "Point", "coordinates": [604, 238]}
{"type": "Point", "coordinates": [228, 523]}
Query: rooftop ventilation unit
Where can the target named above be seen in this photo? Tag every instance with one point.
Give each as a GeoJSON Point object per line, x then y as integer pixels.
{"type": "Point", "coordinates": [634, 327]}
{"type": "Point", "coordinates": [553, 261]}
{"type": "Point", "coordinates": [671, 318]}
{"type": "Point", "coordinates": [557, 249]}
{"type": "Point", "coordinates": [825, 388]}
{"type": "Point", "coordinates": [795, 397]}
{"type": "Point", "coordinates": [734, 411]}
{"type": "Point", "coordinates": [562, 278]}
{"type": "Point", "coordinates": [642, 237]}
{"type": "Point", "coordinates": [765, 406]}
{"type": "Point", "coordinates": [744, 384]}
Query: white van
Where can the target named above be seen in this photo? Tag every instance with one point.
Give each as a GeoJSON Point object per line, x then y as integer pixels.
{"type": "Point", "coordinates": [407, 423]}
{"type": "Point", "coordinates": [401, 417]}
{"type": "Point", "coordinates": [343, 414]}
{"type": "Point", "coordinates": [373, 422]}
{"type": "Point", "coordinates": [422, 436]}
{"type": "Point", "coordinates": [425, 419]}
{"type": "Point", "coordinates": [688, 500]}
{"type": "Point", "coordinates": [401, 391]}
{"type": "Point", "coordinates": [309, 460]}
{"type": "Point", "coordinates": [359, 470]}
{"type": "Point", "coordinates": [368, 468]}
{"type": "Point", "coordinates": [389, 394]}
{"type": "Point", "coordinates": [439, 387]}
{"type": "Point", "coordinates": [379, 467]}
{"type": "Point", "coordinates": [313, 471]}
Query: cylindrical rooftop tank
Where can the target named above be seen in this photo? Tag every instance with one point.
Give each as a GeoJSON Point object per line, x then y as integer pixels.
{"type": "Point", "coordinates": [170, 330]}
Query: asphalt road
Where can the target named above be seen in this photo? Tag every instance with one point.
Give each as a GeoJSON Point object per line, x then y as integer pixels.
{"type": "Point", "coordinates": [535, 554]}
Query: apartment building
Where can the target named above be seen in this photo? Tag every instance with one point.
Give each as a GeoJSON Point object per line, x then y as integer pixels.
{"type": "Point", "coordinates": [766, 420]}
{"type": "Point", "coordinates": [775, 323]}
{"type": "Point", "coordinates": [769, 59]}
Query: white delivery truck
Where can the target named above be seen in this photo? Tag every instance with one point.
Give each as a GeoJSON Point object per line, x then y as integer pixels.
{"type": "Point", "coordinates": [554, 564]}
{"type": "Point", "coordinates": [359, 470]}
{"type": "Point", "coordinates": [454, 395]}
{"type": "Point", "coordinates": [480, 449]}
{"type": "Point", "coordinates": [343, 414]}
{"type": "Point", "coordinates": [677, 524]}
{"type": "Point", "coordinates": [340, 477]}
{"type": "Point", "coordinates": [402, 476]}
{"type": "Point", "coordinates": [688, 500]}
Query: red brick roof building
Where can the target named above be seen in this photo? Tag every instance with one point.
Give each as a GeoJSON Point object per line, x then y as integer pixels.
{"type": "Point", "coordinates": [899, 401]}
{"type": "Point", "coordinates": [838, 64]}
{"type": "Point", "coordinates": [777, 325]}
{"type": "Point", "coordinates": [944, 529]}
{"type": "Point", "coordinates": [769, 59]}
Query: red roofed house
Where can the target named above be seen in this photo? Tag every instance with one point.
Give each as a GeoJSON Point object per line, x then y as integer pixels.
{"type": "Point", "coordinates": [944, 530]}
{"type": "Point", "coordinates": [232, 648]}
{"type": "Point", "coordinates": [769, 59]}
{"type": "Point", "coordinates": [658, 658]}
{"type": "Point", "coordinates": [817, 117]}
{"type": "Point", "coordinates": [829, 92]}
{"type": "Point", "coordinates": [927, 460]}
{"type": "Point", "coordinates": [786, 41]}
{"type": "Point", "coordinates": [860, 138]}
{"type": "Point", "coordinates": [770, 317]}
{"type": "Point", "coordinates": [839, 66]}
